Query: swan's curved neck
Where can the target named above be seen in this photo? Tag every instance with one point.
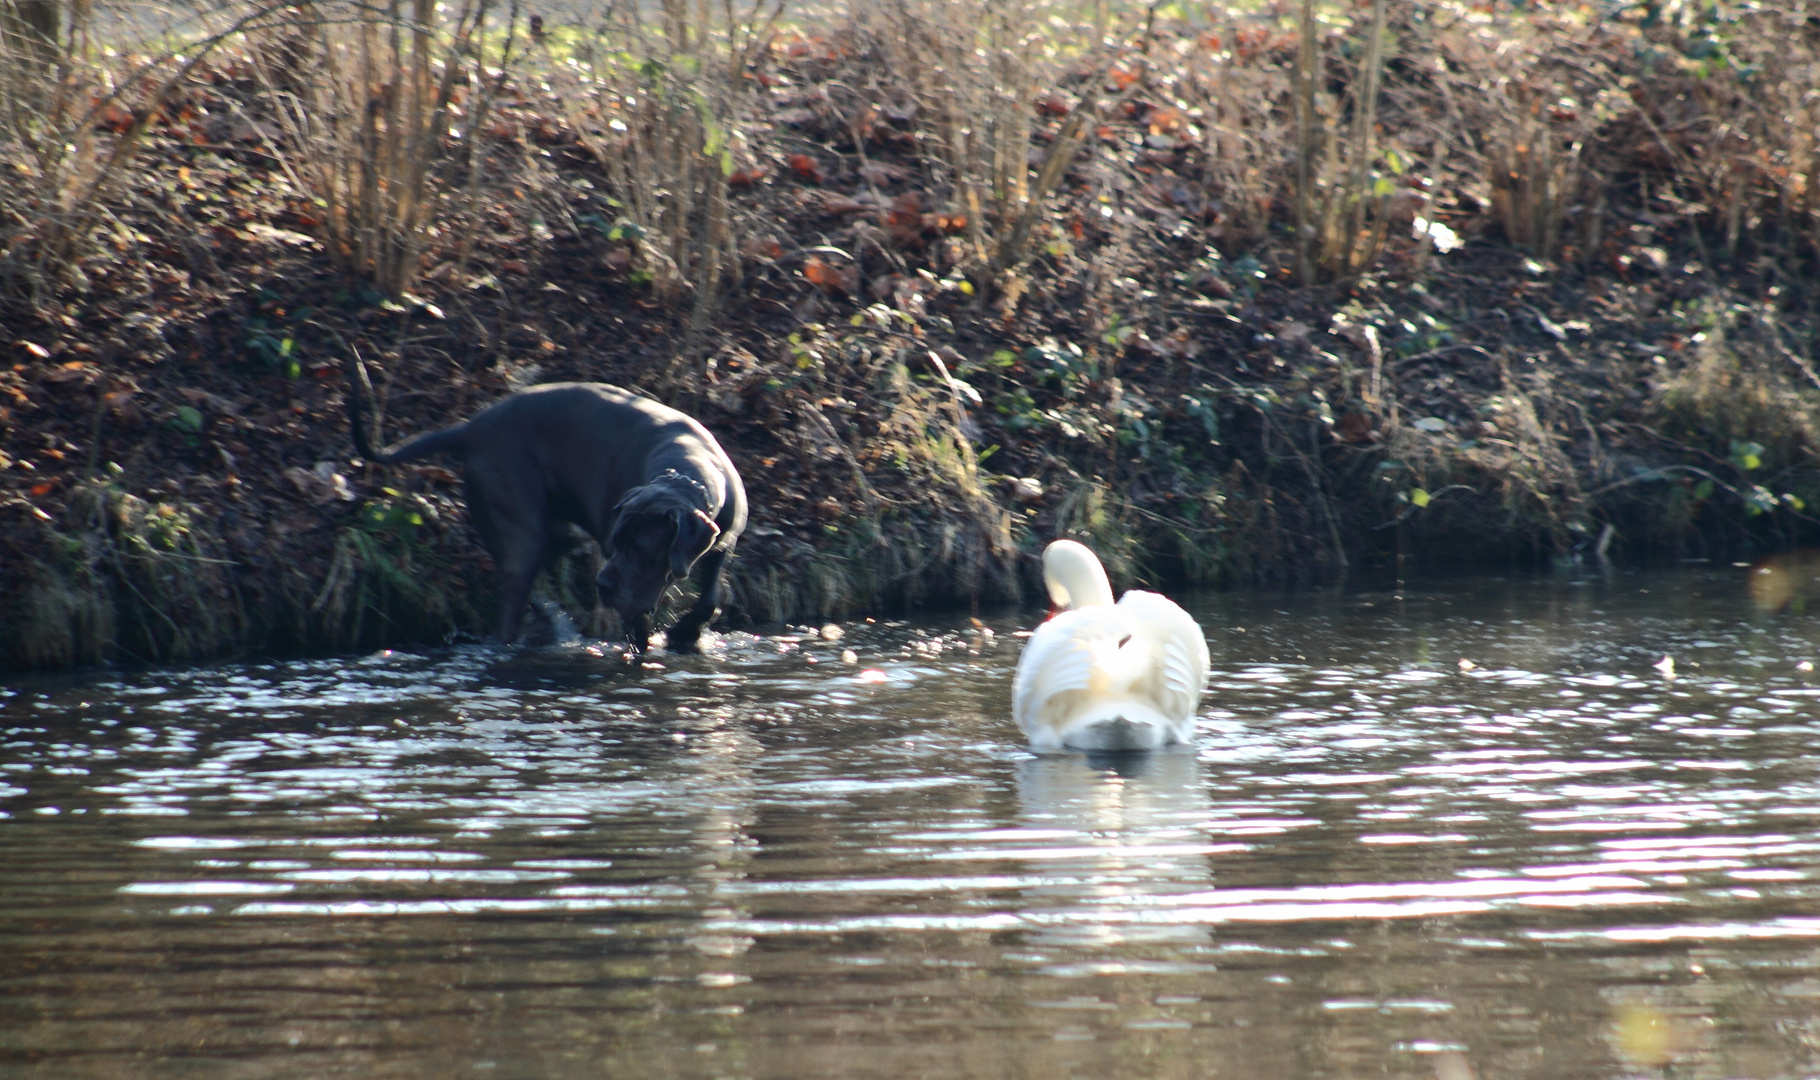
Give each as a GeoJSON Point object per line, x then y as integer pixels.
{"type": "Point", "coordinates": [1075, 577]}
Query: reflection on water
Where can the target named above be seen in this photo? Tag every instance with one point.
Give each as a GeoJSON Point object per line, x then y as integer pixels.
{"type": "Point", "coordinates": [1792, 578]}
{"type": "Point", "coordinates": [1108, 840]}
{"type": "Point", "coordinates": [1556, 861]}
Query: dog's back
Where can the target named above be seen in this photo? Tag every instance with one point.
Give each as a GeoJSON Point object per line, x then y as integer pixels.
{"type": "Point", "coordinates": [593, 442]}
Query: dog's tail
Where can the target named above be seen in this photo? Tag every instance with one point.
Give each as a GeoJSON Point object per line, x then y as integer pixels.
{"type": "Point", "coordinates": [360, 395]}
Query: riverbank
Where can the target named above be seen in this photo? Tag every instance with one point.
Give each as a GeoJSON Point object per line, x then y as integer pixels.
{"type": "Point", "coordinates": [1554, 302]}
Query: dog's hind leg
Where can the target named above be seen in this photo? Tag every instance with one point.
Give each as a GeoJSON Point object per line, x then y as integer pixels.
{"type": "Point", "coordinates": [685, 636]}
{"type": "Point", "coordinates": [517, 572]}
{"type": "Point", "coordinates": [517, 542]}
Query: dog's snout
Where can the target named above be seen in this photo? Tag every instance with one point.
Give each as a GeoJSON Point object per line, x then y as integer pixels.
{"type": "Point", "coordinates": [628, 590]}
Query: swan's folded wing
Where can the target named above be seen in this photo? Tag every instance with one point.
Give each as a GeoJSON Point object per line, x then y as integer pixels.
{"type": "Point", "coordinates": [1180, 647]}
{"type": "Point", "coordinates": [1062, 655]}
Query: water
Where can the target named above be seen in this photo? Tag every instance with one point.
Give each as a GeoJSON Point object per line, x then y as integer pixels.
{"type": "Point", "coordinates": [764, 862]}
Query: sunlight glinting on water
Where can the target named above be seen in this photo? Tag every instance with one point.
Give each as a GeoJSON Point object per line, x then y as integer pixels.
{"type": "Point", "coordinates": [754, 839]}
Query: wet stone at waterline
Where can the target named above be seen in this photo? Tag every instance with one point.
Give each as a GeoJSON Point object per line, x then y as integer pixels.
{"type": "Point", "coordinates": [1560, 859]}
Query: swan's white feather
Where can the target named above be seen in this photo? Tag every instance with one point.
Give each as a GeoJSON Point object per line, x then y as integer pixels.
{"type": "Point", "coordinates": [1121, 676]}
{"type": "Point", "coordinates": [1061, 657]}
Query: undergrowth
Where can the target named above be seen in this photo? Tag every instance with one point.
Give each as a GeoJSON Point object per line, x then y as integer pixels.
{"type": "Point", "coordinates": [1230, 293]}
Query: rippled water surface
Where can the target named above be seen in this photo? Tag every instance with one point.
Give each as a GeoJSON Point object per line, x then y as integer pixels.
{"type": "Point", "coordinates": [765, 862]}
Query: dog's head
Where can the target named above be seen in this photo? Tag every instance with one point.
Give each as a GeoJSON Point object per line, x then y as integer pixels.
{"type": "Point", "coordinates": [655, 540]}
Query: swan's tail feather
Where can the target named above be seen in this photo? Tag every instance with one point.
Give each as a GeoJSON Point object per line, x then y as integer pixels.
{"type": "Point", "coordinates": [1115, 734]}
{"type": "Point", "coordinates": [1117, 725]}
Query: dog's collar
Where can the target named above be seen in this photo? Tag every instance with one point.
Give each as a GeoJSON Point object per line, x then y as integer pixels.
{"type": "Point", "coordinates": [672, 474]}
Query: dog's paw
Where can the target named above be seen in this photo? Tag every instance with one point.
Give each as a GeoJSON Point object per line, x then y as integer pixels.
{"type": "Point", "coordinates": [685, 636]}
{"type": "Point", "coordinates": [688, 640]}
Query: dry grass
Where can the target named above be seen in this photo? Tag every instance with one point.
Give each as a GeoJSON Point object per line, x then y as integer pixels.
{"type": "Point", "coordinates": [363, 96]}
{"type": "Point", "coordinates": [1343, 191]}
{"type": "Point", "coordinates": [984, 77]}
{"type": "Point", "coordinates": [1742, 384]}
{"type": "Point", "coordinates": [1533, 178]}
{"type": "Point", "coordinates": [660, 98]}
{"type": "Point", "coordinates": [72, 121]}
{"type": "Point", "coordinates": [1755, 183]}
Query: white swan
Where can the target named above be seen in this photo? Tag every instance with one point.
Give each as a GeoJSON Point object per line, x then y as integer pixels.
{"type": "Point", "coordinates": [1105, 676]}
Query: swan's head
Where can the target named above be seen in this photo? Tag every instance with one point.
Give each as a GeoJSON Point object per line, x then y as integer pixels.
{"type": "Point", "coordinates": [1075, 577]}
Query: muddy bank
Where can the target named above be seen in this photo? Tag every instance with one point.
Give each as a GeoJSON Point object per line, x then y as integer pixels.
{"type": "Point", "coordinates": [914, 418]}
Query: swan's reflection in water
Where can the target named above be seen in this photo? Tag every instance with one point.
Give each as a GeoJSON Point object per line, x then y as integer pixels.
{"type": "Point", "coordinates": [1114, 833]}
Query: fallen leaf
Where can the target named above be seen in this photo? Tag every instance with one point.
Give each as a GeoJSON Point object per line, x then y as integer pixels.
{"type": "Point", "coordinates": [1166, 120]}
{"type": "Point", "coordinates": [841, 204]}
{"type": "Point", "coordinates": [805, 168]}
{"type": "Point", "coordinates": [830, 278]}
{"type": "Point", "coordinates": [1353, 427]}
{"type": "Point", "coordinates": [879, 172]}
{"type": "Point", "coordinates": [70, 372]}
{"type": "Point", "coordinates": [908, 206]}
{"type": "Point", "coordinates": [111, 116]}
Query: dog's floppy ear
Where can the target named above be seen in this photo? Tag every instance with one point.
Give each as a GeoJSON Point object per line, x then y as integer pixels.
{"type": "Point", "coordinates": [695, 533]}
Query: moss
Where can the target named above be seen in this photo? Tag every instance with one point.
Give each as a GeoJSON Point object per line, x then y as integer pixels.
{"type": "Point", "coordinates": [125, 578]}
{"type": "Point", "coordinates": [56, 620]}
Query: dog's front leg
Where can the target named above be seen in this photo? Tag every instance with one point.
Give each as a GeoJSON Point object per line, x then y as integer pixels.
{"type": "Point", "coordinates": [638, 630]}
{"type": "Point", "coordinates": [685, 636]}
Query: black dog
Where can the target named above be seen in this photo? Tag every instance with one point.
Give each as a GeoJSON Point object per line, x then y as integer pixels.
{"type": "Point", "coordinates": [648, 483]}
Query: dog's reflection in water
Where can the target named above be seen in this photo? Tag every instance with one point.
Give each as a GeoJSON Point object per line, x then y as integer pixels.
{"type": "Point", "coordinates": [1122, 834]}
